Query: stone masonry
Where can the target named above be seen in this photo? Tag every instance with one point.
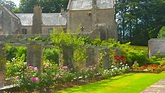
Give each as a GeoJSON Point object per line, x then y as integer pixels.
{"type": "Point", "coordinates": [156, 47]}
{"type": "Point", "coordinates": [37, 20]}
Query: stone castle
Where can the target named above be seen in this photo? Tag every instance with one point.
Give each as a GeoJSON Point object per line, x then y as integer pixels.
{"type": "Point", "coordinates": [94, 17]}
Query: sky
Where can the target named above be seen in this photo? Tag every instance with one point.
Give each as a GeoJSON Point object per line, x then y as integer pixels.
{"type": "Point", "coordinates": [16, 2]}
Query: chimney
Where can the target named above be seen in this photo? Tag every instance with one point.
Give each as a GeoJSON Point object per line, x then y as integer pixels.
{"type": "Point", "coordinates": [94, 3]}
{"type": "Point", "coordinates": [37, 20]}
{"type": "Point", "coordinates": [94, 13]}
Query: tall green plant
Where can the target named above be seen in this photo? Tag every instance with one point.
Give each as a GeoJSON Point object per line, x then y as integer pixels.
{"type": "Point", "coordinates": [67, 43]}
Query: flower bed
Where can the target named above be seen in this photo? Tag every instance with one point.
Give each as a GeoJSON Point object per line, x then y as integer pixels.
{"type": "Point", "coordinates": [151, 68]}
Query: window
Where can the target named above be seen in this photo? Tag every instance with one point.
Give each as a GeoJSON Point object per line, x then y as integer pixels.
{"type": "Point", "coordinates": [50, 30]}
{"type": "Point", "coordinates": [24, 31]}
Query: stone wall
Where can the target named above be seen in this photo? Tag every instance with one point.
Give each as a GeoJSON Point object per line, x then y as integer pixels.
{"type": "Point", "coordinates": [156, 47]}
{"type": "Point", "coordinates": [88, 19]}
{"type": "Point", "coordinates": [77, 18]}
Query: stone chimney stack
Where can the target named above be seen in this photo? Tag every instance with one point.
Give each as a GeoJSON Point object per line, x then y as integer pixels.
{"type": "Point", "coordinates": [94, 3]}
{"type": "Point", "coordinates": [37, 20]}
{"type": "Point", "coordinates": [94, 13]}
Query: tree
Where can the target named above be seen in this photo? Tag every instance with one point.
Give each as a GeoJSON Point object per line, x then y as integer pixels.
{"type": "Point", "coordinates": [139, 20]}
{"type": "Point", "coordinates": [48, 6]}
{"type": "Point", "coordinates": [8, 4]}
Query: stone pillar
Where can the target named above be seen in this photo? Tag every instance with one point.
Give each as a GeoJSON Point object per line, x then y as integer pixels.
{"type": "Point", "coordinates": [2, 65]}
{"type": "Point", "coordinates": [94, 14]}
{"type": "Point", "coordinates": [106, 58]}
{"type": "Point", "coordinates": [68, 53]}
{"type": "Point", "coordinates": [37, 20]}
{"type": "Point", "coordinates": [34, 55]}
{"type": "Point", "coordinates": [117, 52]}
{"type": "Point", "coordinates": [156, 47]}
{"type": "Point", "coordinates": [92, 56]}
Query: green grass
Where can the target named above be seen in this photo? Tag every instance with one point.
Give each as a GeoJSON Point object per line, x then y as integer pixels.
{"type": "Point", "coordinates": [144, 48]}
{"type": "Point", "coordinates": [126, 83]}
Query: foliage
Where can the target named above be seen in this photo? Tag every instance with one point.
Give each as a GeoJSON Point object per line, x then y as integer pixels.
{"type": "Point", "coordinates": [51, 55]}
{"type": "Point", "coordinates": [68, 43]}
{"type": "Point", "coordinates": [154, 68]}
{"type": "Point", "coordinates": [161, 32]}
{"type": "Point", "coordinates": [14, 66]}
{"type": "Point", "coordinates": [48, 6]}
{"type": "Point", "coordinates": [131, 53]}
{"type": "Point", "coordinates": [139, 20]}
{"type": "Point", "coordinates": [14, 52]}
{"type": "Point", "coordinates": [29, 79]}
{"type": "Point", "coordinates": [8, 4]}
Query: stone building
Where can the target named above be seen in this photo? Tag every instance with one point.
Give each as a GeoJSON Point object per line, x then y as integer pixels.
{"type": "Point", "coordinates": [49, 21]}
{"type": "Point", "coordinates": [9, 22]}
{"type": "Point", "coordinates": [91, 13]}
{"type": "Point", "coordinates": [94, 17]}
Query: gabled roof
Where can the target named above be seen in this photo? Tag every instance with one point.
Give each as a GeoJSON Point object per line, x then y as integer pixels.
{"type": "Point", "coordinates": [87, 4]}
{"type": "Point", "coordinates": [8, 11]}
{"type": "Point", "coordinates": [50, 19]}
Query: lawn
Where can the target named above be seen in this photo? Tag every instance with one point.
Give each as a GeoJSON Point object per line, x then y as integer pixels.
{"type": "Point", "coordinates": [126, 83]}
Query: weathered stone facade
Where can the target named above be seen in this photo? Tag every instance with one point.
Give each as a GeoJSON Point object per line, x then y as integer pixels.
{"type": "Point", "coordinates": [89, 14]}
{"type": "Point", "coordinates": [9, 22]}
{"type": "Point", "coordinates": [94, 17]}
{"type": "Point", "coordinates": [156, 47]}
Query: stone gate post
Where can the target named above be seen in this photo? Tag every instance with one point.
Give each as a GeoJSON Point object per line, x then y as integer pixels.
{"type": "Point", "coordinates": [106, 62]}
{"type": "Point", "coordinates": [68, 53]}
{"type": "Point", "coordinates": [92, 54]}
{"type": "Point", "coordinates": [35, 55]}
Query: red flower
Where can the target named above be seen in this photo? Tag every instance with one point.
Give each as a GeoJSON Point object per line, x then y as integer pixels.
{"type": "Point", "coordinates": [116, 57]}
{"type": "Point", "coordinates": [146, 65]}
{"type": "Point", "coordinates": [122, 58]}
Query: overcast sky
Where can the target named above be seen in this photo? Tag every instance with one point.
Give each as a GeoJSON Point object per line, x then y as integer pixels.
{"type": "Point", "coordinates": [15, 1]}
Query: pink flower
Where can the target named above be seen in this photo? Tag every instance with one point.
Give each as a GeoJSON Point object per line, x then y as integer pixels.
{"type": "Point", "coordinates": [58, 76]}
{"type": "Point", "coordinates": [64, 67]}
{"type": "Point", "coordinates": [47, 67]}
{"type": "Point", "coordinates": [71, 69]}
{"type": "Point", "coordinates": [36, 79]}
{"type": "Point", "coordinates": [30, 67]}
{"type": "Point", "coordinates": [94, 68]}
{"type": "Point", "coordinates": [35, 69]}
{"type": "Point", "coordinates": [17, 77]}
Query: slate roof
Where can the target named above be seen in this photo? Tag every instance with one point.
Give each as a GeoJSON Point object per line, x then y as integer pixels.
{"type": "Point", "coordinates": [87, 4]}
{"type": "Point", "coordinates": [49, 19]}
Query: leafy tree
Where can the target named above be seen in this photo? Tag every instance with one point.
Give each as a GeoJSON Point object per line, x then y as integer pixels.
{"type": "Point", "coordinates": [48, 6]}
{"type": "Point", "coordinates": [161, 32]}
{"type": "Point", "coordinates": [8, 4]}
{"type": "Point", "coordinates": [139, 20]}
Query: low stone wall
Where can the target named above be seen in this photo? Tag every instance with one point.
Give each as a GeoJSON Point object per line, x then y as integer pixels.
{"type": "Point", "coordinates": [156, 47]}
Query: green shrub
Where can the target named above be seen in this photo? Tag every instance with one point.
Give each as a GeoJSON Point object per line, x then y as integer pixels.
{"type": "Point", "coordinates": [14, 52]}
{"type": "Point", "coordinates": [52, 55]}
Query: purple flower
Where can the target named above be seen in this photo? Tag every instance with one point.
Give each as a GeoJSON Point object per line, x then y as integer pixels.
{"type": "Point", "coordinates": [36, 79]}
